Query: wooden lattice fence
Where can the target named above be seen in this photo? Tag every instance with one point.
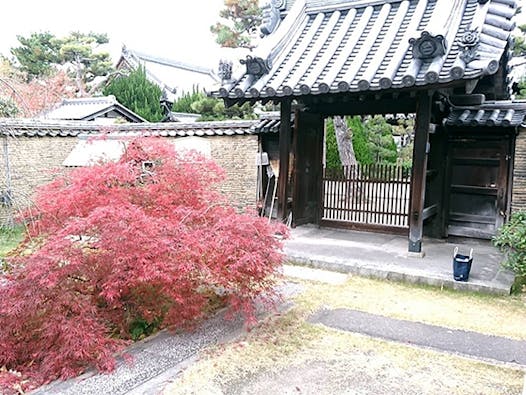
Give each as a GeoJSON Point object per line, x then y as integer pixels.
{"type": "Point", "coordinates": [367, 196]}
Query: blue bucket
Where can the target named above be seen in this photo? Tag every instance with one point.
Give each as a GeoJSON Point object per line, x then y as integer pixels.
{"type": "Point", "coordinates": [462, 265]}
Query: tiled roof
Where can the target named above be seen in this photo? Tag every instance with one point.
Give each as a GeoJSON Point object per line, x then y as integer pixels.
{"type": "Point", "coordinates": [167, 73]}
{"type": "Point", "coordinates": [498, 113]}
{"type": "Point", "coordinates": [40, 128]}
{"type": "Point", "coordinates": [87, 109]}
{"type": "Point", "coordinates": [268, 123]}
{"type": "Point", "coordinates": [333, 46]}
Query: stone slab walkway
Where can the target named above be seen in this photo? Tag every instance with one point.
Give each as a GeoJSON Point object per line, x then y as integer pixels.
{"type": "Point", "coordinates": [455, 341]}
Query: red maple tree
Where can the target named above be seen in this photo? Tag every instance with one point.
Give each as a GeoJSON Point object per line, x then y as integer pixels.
{"type": "Point", "coordinates": [147, 238]}
{"type": "Point", "coordinates": [38, 95]}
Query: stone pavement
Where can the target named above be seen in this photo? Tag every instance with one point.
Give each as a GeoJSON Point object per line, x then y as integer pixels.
{"type": "Point", "coordinates": [155, 361]}
{"type": "Point", "coordinates": [471, 344]}
{"type": "Point", "coordinates": [385, 256]}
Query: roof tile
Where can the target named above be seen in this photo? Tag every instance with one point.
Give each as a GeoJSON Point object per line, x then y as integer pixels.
{"type": "Point", "coordinates": [35, 127]}
{"type": "Point", "coordinates": [352, 45]}
{"type": "Point", "coordinates": [490, 114]}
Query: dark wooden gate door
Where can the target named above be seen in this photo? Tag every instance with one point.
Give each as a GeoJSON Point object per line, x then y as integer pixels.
{"type": "Point", "coordinates": [478, 172]}
{"type": "Point", "coordinates": [308, 149]}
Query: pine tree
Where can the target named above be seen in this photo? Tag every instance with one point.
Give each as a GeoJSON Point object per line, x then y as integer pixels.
{"type": "Point", "coordinates": [241, 19]}
{"type": "Point", "coordinates": [137, 93]}
{"type": "Point", "coordinates": [8, 109]}
{"type": "Point", "coordinates": [380, 140]}
{"type": "Point", "coordinates": [212, 109]}
{"type": "Point", "coordinates": [39, 55]}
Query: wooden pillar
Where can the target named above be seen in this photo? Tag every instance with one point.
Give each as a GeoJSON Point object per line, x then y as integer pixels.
{"type": "Point", "coordinates": [418, 174]}
{"type": "Point", "coordinates": [285, 132]}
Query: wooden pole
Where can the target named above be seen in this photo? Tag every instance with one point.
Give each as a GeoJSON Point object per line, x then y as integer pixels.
{"type": "Point", "coordinates": [418, 174]}
{"type": "Point", "coordinates": [285, 132]}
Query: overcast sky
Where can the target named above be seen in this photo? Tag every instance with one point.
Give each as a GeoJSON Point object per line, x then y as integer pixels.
{"type": "Point", "coordinates": [173, 29]}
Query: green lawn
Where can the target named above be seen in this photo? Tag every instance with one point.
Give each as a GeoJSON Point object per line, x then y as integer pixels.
{"type": "Point", "coordinates": [9, 239]}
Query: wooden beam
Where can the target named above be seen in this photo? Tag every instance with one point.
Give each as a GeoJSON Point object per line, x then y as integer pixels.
{"type": "Point", "coordinates": [395, 230]}
{"type": "Point", "coordinates": [285, 133]}
{"type": "Point", "coordinates": [428, 212]}
{"type": "Point", "coordinates": [366, 107]}
{"type": "Point", "coordinates": [418, 175]}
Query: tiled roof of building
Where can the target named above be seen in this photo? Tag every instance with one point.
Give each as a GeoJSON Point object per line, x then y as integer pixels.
{"type": "Point", "coordinates": [498, 113]}
{"type": "Point", "coordinates": [40, 128]}
{"type": "Point", "coordinates": [88, 109]}
{"type": "Point", "coordinates": [333, 46]}
{"type": "Point", "coordinates": [166, 73]}
{"type": "Point", "coordinates": [269, 123]}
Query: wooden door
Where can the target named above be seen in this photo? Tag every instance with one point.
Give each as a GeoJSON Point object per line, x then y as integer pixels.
{"type": "Point", "coordinates": [307, 170]}
{"type": "Point", "coordinates": [478, 172]}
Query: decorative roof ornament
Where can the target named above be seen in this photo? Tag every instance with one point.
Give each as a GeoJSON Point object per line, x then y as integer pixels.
{"type": "Point", "coordinates": [224, 70]}
{"type": "Point", "coordinates": [256, 66]}
{"type": "Point", "coordinates": [428, 46]}
{"type": "Point", "coordinates": [271, 17]}
{"type": "Point", "coordinates": [331, 47]}
{"type": "Point", "coordinates": [469, 43]}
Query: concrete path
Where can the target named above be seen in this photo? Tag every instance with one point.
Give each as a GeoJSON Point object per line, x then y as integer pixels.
{"type": "Point", "coordinates": [455, 341]}
{"type": "Point", "coordinates": [385, 256]}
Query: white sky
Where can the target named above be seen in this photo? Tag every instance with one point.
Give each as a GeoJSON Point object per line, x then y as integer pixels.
{"type": "Point", "coordinates": [173, 29]}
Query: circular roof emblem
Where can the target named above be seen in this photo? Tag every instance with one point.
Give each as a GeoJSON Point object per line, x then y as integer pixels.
{"type": "Point", "coordinates": [428, 46]}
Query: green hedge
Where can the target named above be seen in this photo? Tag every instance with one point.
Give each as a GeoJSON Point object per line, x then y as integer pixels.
{"type": "Point", "coordinates": [372, 142]}
{"type": "Point", "coordinates": [511, 240]}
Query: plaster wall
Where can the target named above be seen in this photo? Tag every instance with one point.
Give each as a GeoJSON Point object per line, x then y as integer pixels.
{"type": "Point", "coordinates": [33, 161]}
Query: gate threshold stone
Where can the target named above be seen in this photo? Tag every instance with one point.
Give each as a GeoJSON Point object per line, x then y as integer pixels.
{"type": "Point", "coordinates": [384, 256]}
{"type": "Point", "coordinates": [455, 341]}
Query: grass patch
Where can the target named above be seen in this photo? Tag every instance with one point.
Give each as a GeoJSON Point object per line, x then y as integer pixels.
{"type": "Point", "coordinates": [283, 360]}
{"type": "Point", "coordinates": [488, 314]}
{"type": "Point", "coordinates": [10, 238]}
{"type": "Point", "coordinates": [286, 354]}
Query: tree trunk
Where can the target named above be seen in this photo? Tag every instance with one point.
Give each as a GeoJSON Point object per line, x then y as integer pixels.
{"type": "Point", "coordinates": [347, 157]}
{"type": "Point", "coordinates": [78, 77]}
{"type": "Point", "coordinates": [344, 141]}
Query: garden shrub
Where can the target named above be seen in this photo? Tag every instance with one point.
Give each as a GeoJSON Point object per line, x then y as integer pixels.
{"type": "Point", "coordinates": [372, 142]}
{"type": "Point", "coordinates": [360, 143]}
{"type": "Point", "coordinates": [511, 239]}
{"type": "Point", "coordinates": [332, 156]}
{"type": "Point", "coordinates": [119, 249]}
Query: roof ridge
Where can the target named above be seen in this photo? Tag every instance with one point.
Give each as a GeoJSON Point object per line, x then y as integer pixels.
{"type": "Point", "coordinates": [95, 99]}
{"type": "Point", "coordinates": [60, 124]}
{"type": "Point", "coordinates": [37, 127]}
{"type": "Point", "coordinates": [170, 62]}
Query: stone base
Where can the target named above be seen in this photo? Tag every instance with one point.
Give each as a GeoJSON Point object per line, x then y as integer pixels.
{"type": "Point", "coordinates": [420, 254]}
